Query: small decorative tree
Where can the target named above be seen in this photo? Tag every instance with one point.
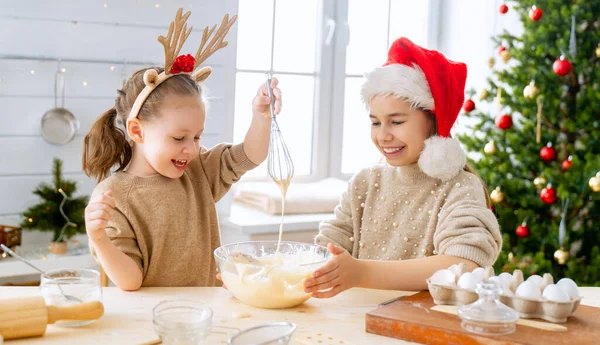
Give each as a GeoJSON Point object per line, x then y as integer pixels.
{"type": "Point", "coordinates": [58, 211]}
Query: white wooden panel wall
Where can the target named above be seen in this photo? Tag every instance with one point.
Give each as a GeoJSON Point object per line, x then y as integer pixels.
{"type": "Point", "coordinates": [90, 38]}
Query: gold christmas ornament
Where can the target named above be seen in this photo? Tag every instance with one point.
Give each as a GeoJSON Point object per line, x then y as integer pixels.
{"type": "Point", "coordinates": [483, 94]}
{"type": "Point", "coordinates": [598, 51]}
{"type": "Point", "coordinates": [540, 182]}
{"type": "Point", "coordinates": [505, 56]}
{"type": "Point", "coordinates": [491, 62]}
{"type": "Point", "coordinates": [595, 182]}
{"type": "Point", "coordinates": [497, 196]}
{"type": "Point", "coordinates": [490, 148]}
{"type": "Point", "coordinates": [531, 91]}
{"type": "Point", "coordinates": [561, 256]}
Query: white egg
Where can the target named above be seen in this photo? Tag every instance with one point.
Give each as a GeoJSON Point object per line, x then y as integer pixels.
{"type": "Point", "coordinates": [568, 286]}
{"type": "Point", "coordinates": [458, 269]}
{"type": "Point", "coordinates": [468, 281]}
{"type": "Point", "coordinates": [528, 289]}
{"type": "Point", "coordinates": [505, 286]}
{"type": "Point", "coordinates": [536, 279]}
{"type": "Point", "coordinates": [479, 272]}
{"type": "Point", "coordinates": [553, 293]}
{"type": "Point", "coordinates": [443, 277]}
{"type": "Point", "coordinates": [505, 278]}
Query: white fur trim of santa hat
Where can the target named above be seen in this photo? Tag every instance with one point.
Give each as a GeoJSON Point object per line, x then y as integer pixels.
{"type": "Point", "coordinates": [402, 81]}
{"type": "Point", "coordinates": [442, 158]}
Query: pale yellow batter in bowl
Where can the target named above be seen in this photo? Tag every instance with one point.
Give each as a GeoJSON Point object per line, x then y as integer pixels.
{"type": "Point", "coordinates": [259, 276]}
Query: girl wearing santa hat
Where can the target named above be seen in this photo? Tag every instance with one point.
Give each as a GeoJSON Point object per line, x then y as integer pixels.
{"type": "Point", "coordinates": [424, 209]}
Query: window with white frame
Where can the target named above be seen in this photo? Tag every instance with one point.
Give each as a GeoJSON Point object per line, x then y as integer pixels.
{"type": "Point", "coordinates": [319, 50]}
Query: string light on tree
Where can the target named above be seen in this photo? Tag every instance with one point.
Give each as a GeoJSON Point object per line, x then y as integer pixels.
{"type": "Point", "coordinates": [497, 196]}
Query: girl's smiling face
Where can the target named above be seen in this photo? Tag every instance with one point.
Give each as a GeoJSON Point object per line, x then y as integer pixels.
{"type": "Point", "coordinates": [398, 130]}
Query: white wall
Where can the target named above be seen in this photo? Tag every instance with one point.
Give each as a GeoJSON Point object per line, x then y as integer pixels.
{"type": "Point", "coordinates": [90, 38]}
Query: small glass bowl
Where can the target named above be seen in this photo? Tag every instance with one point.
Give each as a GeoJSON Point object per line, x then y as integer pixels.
{"type": "Point", "coordinates": [82, 284]}
{"type": "Point", "coordinates": [273, 333]}
{"type": "Point", "coordinates": [182, 322]}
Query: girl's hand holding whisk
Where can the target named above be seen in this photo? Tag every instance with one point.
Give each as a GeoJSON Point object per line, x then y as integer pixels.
{"type": "Point", "coordinates": [256, 142]}
{"type": "Point", "coordinates": [260, 104]}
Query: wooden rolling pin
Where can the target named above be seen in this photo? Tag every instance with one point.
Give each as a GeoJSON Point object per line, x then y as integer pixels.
{"type": "Point", "coordinates": [28, 316]}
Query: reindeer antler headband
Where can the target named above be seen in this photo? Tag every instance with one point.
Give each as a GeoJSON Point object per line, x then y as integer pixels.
{"type": "Point", "coordinates": [182, 64]}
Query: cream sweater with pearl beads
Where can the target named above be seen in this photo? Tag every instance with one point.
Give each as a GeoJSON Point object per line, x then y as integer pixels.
{"type": "Point", "coordinates": [400, 213]}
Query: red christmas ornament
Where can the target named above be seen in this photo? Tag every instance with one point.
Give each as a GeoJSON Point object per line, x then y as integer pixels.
{"type": "Point", "coordinates": [562, 66]}
{"type": "Point", "coordinates": [468, 106]}
{"type": "Point", "coordinates": [548, 195]}
{"type": "Point", "coordinates": [548, 153]}
{"type": "Point", "coordinates": [522, 230]}
{"type": "Point", "coordinates": [535, 13]}
{"type": "Point", "coordinates": [503, 9]}
{"type": "Point", "coordinates": [183, 64]}
{"type": "Point", "coordinates": [501, 49]}
{"type": "Point", "coordinates": [504, 121]}
{"type": "Point", "coordinates": [566, 164]}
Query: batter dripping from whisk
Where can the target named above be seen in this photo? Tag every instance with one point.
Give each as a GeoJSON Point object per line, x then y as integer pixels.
{"type": "Point", "coordinates": [280, 165]}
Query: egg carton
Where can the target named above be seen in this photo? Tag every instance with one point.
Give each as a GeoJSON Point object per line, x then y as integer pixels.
{"type": "Point", "coordinates": [528, 308]}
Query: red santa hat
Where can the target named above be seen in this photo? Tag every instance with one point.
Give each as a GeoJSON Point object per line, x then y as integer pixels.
{"type": "Point", "coordinates": [429, 81]}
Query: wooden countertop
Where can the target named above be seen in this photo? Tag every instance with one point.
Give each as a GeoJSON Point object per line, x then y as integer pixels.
{"type": "Point", "coordinates": [128, 316]}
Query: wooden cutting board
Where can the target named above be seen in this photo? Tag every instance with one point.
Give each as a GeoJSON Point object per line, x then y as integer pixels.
{"type": "Point", "coordinates": [411, 318]}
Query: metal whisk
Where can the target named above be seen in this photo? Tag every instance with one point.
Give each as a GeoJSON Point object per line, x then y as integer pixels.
{"type": "Point", "coordinates": [280, 165]}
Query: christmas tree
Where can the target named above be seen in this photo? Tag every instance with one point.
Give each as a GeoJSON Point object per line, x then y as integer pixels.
{"type": "Point", "coordinates": [58, 211]}
{"type": "Point", "coordinates": [540, 140]}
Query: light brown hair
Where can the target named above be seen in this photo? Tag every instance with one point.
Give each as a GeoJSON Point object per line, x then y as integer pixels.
{"type": "Point", "coordinates": [106, 145]}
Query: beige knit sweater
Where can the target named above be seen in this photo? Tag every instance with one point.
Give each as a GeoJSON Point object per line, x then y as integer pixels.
{"type": "Point", "coordinates": [399, 213]}
{"type": "Point", "coordinates": [169, 227]}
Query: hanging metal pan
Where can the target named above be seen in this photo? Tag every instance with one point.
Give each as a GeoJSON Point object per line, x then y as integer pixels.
{"type": "Point", "coordinates": [59, 125]}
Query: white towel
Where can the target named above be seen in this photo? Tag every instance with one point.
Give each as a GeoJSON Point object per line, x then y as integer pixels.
{"type": "Point", "coordinates": [301, 198]}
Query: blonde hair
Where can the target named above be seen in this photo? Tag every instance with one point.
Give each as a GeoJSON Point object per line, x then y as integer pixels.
{"type": "Point", "coordinates": [106, 144]}
{"type": "Point", "coordinates": [468, 168]}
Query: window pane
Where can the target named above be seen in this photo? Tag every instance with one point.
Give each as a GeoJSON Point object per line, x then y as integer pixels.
{"type": "Point", "coordinates": [255, 25]}
{"type": "Point", "coordinates": [409, 19]}
{"type": "Point", "coordinates": [358, 150]}
{"type": "Point", "coordinates": [368, 35]}
{"type": "Point", "coordinates": [295, 35]}
{"type": "Point", "coordinates": [295, 121]}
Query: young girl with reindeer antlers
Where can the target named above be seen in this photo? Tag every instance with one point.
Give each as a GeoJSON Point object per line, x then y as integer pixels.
{"type": "Point", "coordinates": [154, 221]}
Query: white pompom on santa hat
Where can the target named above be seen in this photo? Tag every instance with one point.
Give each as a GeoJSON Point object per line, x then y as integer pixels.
{"type": "Point", "coordinates": [429, 81]}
